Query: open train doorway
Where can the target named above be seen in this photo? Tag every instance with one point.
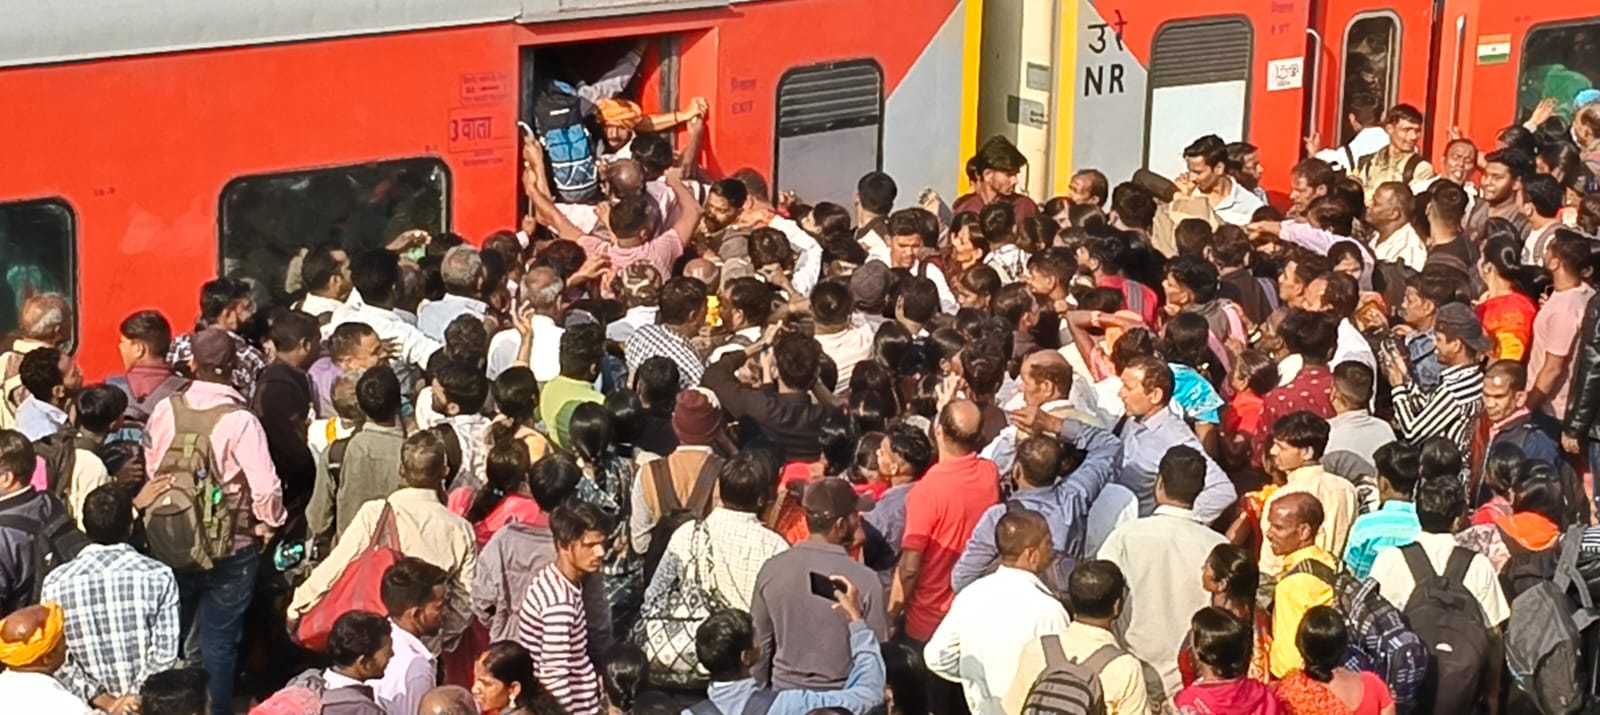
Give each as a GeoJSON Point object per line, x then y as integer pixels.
{"type": "Point", "coordinates": [564, 93]}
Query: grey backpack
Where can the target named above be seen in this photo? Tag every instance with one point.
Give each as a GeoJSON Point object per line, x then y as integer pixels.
{"type": "Point", "coordinates": [1544, 637]}
{"type": "Point", "coordinates": [1066, 686]}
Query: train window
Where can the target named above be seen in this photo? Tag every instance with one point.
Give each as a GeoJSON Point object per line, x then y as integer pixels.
{"type": "Point", "coordinates": [1558, 61]}
{"type": "Point", "coordinates": [267, 220]}
{"type": "Point", "coordinates": [38, 253]}
{"type": "Point", "coordinates": [1199, 85]}
{"type": "Point", "coordinates": [1371, 60]}
{"type": "Point", "coordinates": [830, 124]}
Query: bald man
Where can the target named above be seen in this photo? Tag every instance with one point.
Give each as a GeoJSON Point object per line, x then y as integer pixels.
{"type": "Point", "coordinates": [991, 621]}
{"type": "Point", "coordinates": [45, 321]}
{"type": "Point", "coordinates": [625, 177]}
{"type": "Point", "coordinates": [32, 649]}
{"type": "Point", "coordinates": [1064, 503]}
{"type": "Point", "coordinates": [1308, 576]}
{"type": "Point", "coordinates": [704, 271]}
{"type": "Point", "coordinates": [448, 700]}
{"type": "Point", "coordinates": [941, 514]}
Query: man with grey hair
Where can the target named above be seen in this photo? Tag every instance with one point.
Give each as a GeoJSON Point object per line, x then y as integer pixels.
{"type": "Point", "coordinates": [448, 700]}
{"type": "Point", "coordinates": [541, 292]}
{"type": "Point", "coordinates": [45, 321]}
{"type": "Point", "coordinates": [462, 271]}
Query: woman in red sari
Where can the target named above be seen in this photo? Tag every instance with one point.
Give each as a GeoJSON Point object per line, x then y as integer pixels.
{"type": "Point", "coordinates": [1506, 310]}
{"type": "Point", "coordinates": [1324, 687]}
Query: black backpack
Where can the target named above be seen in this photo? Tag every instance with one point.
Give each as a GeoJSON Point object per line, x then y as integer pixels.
{"type": "Point", "coordinates": [1444, 614]}
{"type": "Point", "coordinates": [561, 117]}
{"type": "Point", "coordinates": [675, 513]}
{"type": "Point", "coordinates": [54, 543]}
{"type": "Point", "coordinates": [1550, 643]}
{"type": "Point", "coordinates": [60, 453]}
{"type": "Point", "coordinates": [1524, 567]}
{"type": "Point", "coordinates": [123, 452]}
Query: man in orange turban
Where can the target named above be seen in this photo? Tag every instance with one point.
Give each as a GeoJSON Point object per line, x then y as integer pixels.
{"type": "Point", "coordinates": [32, 648]}
{"type": "Point", "coordinates": [621, 118]}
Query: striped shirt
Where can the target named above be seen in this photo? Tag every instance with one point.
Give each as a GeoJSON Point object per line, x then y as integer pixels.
{"type": "Point", "coordinates": [1395, 524]}
{"type": "Point", "coordinates": [554, 630]}
{"type": "Point", "coordinates": [1448, 411]}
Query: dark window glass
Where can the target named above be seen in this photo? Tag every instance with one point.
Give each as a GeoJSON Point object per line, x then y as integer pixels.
{"type": "Point", "coordinates": [38, 253]}
{"type": "Point", "coordinates": [1558, 62]}
{"type": "Point", "coordinates": [267, 221]}
{"type": "Point", "coordinates": [1371, 56]}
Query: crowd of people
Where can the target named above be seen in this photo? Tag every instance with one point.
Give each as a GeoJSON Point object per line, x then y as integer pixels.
{"type": "Point", "coordinates": [684, 445]}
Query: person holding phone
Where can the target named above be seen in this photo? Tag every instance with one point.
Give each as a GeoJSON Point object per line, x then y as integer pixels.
{"type": "Point", "coordinates": [801, 646]}
{"type": "Point", "coordinates": [726, 646]}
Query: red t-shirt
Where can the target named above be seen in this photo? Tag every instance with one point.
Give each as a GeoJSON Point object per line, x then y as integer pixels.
{"type": "Point", "coordinates": [1149, 303]}
{"type": "Point", "coordinates": [1242, 416]}
{"type": "Point", "coordinates": [941, 512]}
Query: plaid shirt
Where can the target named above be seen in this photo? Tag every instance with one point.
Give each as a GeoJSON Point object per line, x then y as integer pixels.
{"type": "Point", "coordinates": [121, 613]}
{"type": "Point", "coordinates": [251, 361]}
{"type": "Point", "coordinates": [652, 340]}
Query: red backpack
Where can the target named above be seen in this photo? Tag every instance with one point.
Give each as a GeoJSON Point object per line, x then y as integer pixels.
{"type": "Point", "coordinates": [359, 586]}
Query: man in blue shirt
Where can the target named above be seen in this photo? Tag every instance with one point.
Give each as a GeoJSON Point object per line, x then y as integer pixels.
{"type": "Point", "coordinates": [51, 378]}
{"type": "Point", "coordinates": [725, 644]}
{"type": "Point", "coordinates": [1151, 430]}
{"type": "Point", "coordinates": [1395, 522]}
{"type": "Point", "coordinates": [1064, 503]}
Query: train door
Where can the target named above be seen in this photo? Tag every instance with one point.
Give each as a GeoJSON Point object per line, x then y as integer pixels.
{"type": "Point", "coordinates": [1499, 59]}
{"type": "Point", "coordinates": [1367, 53]}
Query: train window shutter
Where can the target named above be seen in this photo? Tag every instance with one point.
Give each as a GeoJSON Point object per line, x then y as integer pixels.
{"type": "Point", "coordinates": [1199, 85]}
{"type": "Point", "coordinates": [829, 124]}
{"type": "Point", "coordinates": [38, 254]}
{"type": "Point", "coordinates": [266, 221]}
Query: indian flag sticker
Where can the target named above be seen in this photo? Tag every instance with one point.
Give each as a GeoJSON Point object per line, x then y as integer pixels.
{"type": "Point", "coordinates": [1494, 49]}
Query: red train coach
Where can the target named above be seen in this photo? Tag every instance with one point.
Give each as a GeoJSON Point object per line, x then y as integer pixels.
{"type": "Point", "coordinates": [1119, 84]}
{"type": "Point", "coordinates": [150, 145]}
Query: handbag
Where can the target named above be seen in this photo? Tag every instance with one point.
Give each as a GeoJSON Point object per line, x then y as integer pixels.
{"type": "Point", "coordinates": [359, 586]}
{"type": "Point", "coordinates": [667, 625]}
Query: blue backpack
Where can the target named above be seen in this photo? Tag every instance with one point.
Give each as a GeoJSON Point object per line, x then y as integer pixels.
{"type": "Point", "coordinates": [559, 116]}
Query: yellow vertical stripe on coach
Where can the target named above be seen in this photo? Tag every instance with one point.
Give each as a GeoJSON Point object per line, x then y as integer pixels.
{"type": "Point", "coordinates": [972, 51]}
{"type": "Point", "coordinates": [1066, 33]}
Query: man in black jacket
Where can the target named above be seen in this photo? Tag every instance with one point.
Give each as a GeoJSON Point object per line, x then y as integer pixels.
{"type": "Point", "coordinates": [24, 513]}
{"type": "Point", "coordinates": [783, 408]}
{"type": "Point", "coordinates": [1582, 425]}
{"type": "Point", "coordinates": [284, 400]}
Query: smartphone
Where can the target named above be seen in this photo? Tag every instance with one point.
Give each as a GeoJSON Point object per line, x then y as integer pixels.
{"type": "Point", "coordinates": [824, 586]}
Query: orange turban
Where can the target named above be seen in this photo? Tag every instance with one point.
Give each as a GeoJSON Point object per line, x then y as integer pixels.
{"type": "Point", "coordinates": [37, 644]}
{"type": "Point", "coordinates": [619, 112]}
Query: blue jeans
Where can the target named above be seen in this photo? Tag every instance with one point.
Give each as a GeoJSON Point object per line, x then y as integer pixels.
{"type": "Point", "coordinates": [215, 602]}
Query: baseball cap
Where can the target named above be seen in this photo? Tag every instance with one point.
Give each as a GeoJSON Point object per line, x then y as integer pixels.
{"type": "Point", "coordinates": [214, 352]}
{"type": "Point", "coordinates": [830, 498]}
{"type": "Point", "coordinates": [869, 284]}
{"type": "Point", "coordinates": [1588, 96]}
{"type": "Point", "coordinates": [1458, 321]}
